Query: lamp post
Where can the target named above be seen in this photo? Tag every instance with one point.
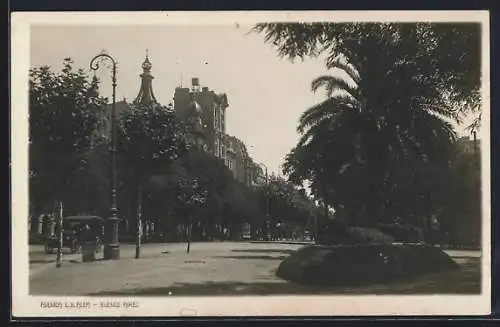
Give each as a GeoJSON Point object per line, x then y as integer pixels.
{"type": "Point", "coordinates": [111, 244]}
{"type": "Point", "coordinates": [268, 205]}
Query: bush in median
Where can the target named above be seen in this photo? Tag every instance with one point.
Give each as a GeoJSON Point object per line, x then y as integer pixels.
{"type": "Point", "coordinates": [362, 264]}
{"type": "Point", "coordinates": [337, 233]}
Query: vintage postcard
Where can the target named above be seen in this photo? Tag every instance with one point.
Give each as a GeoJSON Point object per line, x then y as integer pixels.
{"type": "Point", "coordinates": [250, 163]}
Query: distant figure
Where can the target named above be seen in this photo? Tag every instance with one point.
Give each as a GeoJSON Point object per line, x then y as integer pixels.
{"type": "Point", "coordinates": [225, 233]}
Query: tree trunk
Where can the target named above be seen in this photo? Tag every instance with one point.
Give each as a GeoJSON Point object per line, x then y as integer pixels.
{"type": "Point", "coordinates": [325, 213]}
{"type": "Point", "coordinates": [189, 229]}
{"type": "Point", "coordinates": [139, 222]}
{"type": "Point", "coordinates": [253, 231]}
{"type": "Point", "coordinates": [59, 235]}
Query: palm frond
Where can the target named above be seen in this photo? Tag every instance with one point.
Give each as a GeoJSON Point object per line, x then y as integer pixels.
{"type": "Point", "coordinates": [332, 84]}
{"type": "Point", "coordinates": [314, 131]}
{"type": "Point", "coordinates": [325, 110]}
{"type": "Point", "coordinates": [350, 70]}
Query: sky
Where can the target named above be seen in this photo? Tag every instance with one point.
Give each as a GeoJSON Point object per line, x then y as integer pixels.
{"type": "Point", "coordinates": [266, 94]}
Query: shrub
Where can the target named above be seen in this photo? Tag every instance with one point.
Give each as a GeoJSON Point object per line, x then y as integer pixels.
{"type": "Point", "coordinates": [335, 233]}
{"type": "Point", "coordinates": [362, 264]}
{"type": "Point", "coordinates": [404, 234]}
{"type": "Point", "coordinates": [369, 235]}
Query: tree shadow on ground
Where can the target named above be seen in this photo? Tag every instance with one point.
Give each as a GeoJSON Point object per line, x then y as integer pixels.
{"type": "Point", "coordinates": [81, 261]}
{"type": "Point", "coordinates": [251, 257]}
{"type": "Point", "coordinates": [264, 251]}
{"type": "Point", "coordinates": [467, 280]}
{"type": "Point", "coordinates": [42, 261]}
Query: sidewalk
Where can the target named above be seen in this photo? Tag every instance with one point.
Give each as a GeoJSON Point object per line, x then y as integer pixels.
{"type": "Point", "coordinates": [37, 267]}
{"type": "Point", "coordinates": [129, 274]}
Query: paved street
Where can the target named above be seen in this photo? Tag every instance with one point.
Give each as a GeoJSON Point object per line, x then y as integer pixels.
{"type": "Point", "coordinates": [211, 269]}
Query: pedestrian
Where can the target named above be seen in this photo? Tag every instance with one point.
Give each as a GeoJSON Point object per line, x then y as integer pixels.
{"type": "Point", "coordinates": [225, 233]}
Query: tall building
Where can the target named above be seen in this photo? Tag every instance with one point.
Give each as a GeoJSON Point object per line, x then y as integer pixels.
{"type": "Point", "coordinates": [206, 109]}
{"type": "Point", "coordinates": [204, 112]}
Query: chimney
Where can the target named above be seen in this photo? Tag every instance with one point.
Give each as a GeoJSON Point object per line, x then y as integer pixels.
{"type": "Point", "coordinates": [195, 84]}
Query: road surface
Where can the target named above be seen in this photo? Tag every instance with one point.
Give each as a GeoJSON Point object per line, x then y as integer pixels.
{"type": "Point", "coordinates": [212, 269]}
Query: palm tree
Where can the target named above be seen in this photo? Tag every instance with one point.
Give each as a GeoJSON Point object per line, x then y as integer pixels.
{"type": "Point", "coordinates": [376, 119]}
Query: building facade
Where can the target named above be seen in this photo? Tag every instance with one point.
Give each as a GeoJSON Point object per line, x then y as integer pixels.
{"type": "Point", "coordinates": [209, 110]}
{"type": "Point", "coordinates": [205, 111]}
{"type": "Point", "coordinates": [468, 145]}
{"type": "Point", "coordinates": [240, 163]}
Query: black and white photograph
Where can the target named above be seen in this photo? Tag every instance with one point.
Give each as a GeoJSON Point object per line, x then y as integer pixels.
{"type": "Point", "coordinates": [264, 163]}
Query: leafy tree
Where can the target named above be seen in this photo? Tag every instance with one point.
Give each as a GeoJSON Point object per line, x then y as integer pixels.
{"type": "Point", "coordinates": [228, 202]}
{"type": "Point", "coordinates": [379, 118]}
{"type": "Point", "coordinates": [191, 198]}
{"type": "Point", "coordinates": [214, 178]}
{"type": "Point", "coordinates": [150, 138]}
{"type": "Point", "coordinates": [286, 202]}
{"type": "Point", "coordinates": [241, 205]}
{"type": "Point", "coordinates": [65, 116]}
{"type": "Point", "coordinates": [460, 217]}
{"type": "Point", "coordinates": [446, 55]}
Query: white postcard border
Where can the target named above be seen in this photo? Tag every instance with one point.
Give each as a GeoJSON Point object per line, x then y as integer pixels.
{"type": "Point", "coordinates": [24, 305]}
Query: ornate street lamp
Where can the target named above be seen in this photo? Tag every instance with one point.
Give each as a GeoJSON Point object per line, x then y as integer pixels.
{"type": "Point", "coordinates": [111, 244]}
